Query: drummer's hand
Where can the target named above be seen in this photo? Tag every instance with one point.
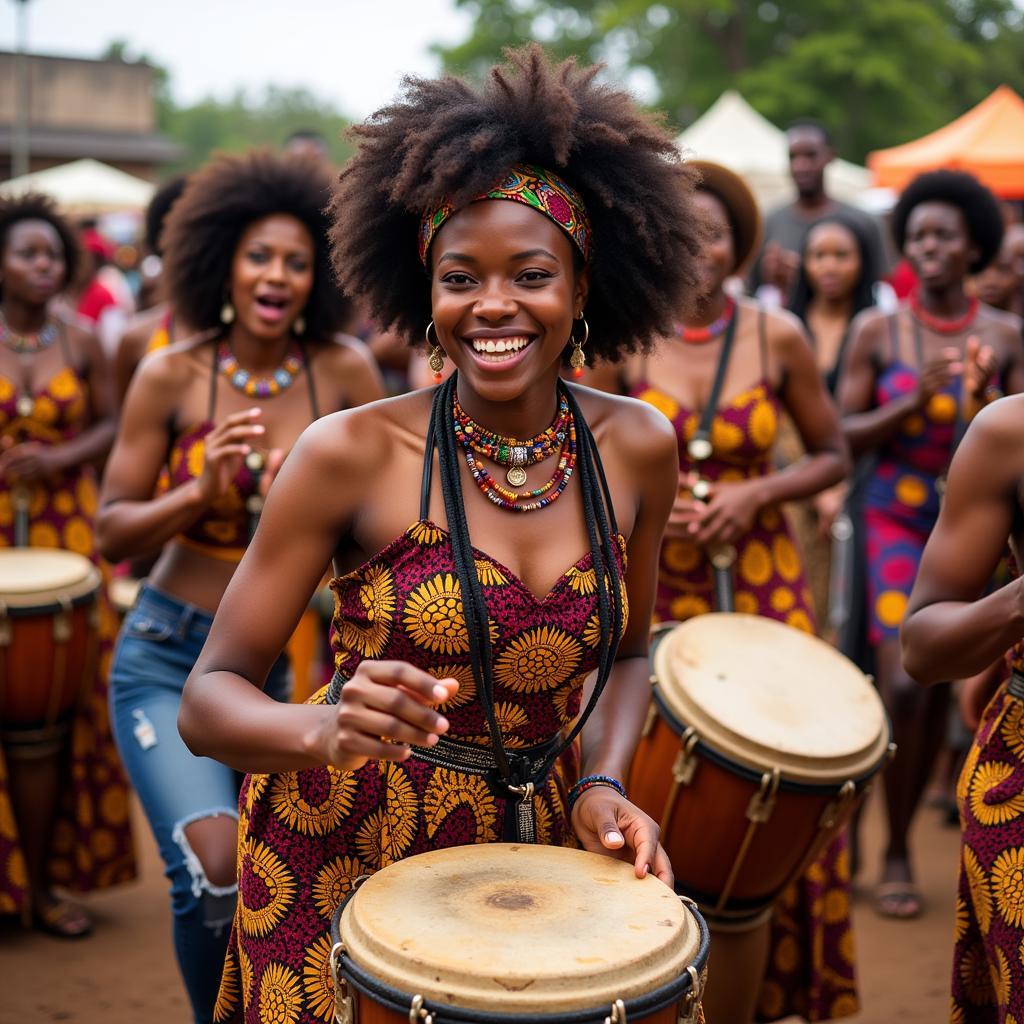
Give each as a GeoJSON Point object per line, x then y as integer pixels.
{"type": "Point", "coordinates": [224, 449]}
{"type": "Point", "coordinates": [726, 515]}
{"type": "Point", "coordinates": [385, 706]}
{"type": "Point", "coordinates": [605, 822]}
{"type": "Point", "coordinates": [29, 461]}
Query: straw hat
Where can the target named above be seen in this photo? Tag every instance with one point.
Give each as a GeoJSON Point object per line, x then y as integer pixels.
{"type": "Point", "coordinates": [736, 196]}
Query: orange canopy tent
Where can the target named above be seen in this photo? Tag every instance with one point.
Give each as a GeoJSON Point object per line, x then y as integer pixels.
{"type": "Point", "coordinates": [988, 141]}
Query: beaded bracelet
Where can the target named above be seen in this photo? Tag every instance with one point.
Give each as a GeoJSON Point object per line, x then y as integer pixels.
{"type": "Point", "coordinates": [589, 782]}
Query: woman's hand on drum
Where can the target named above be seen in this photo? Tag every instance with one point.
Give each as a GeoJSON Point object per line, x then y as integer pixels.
{"type": "Point", "coordinates": [605, 822]}
{"type": "Point", "coordinates": [29, 461]}
{"type": "Point", "coordinates": [383, 708]}
{"type": "Point", "coordinates": [725, 515]}
{"type": "Point", "coordinates": [225, 447]}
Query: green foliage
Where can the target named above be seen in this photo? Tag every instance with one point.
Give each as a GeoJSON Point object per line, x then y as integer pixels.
{"type": "Point", "coordinates": [878, 72]}
{"type": "Point", "coordinates": [238, 123]}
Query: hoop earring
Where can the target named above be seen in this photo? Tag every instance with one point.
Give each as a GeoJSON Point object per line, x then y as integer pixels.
{"type": "Point", "coordinates": [577, 360]}
{"type": "Point", "coordinates": [436, 360]}
{"type": "Point", "coordinates": [227, 312]}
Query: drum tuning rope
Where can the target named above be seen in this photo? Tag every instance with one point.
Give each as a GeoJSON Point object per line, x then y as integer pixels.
{"type": "Point", "coordinates": [683, 768]}
{"type": "Point", "coordinates": [418, 1014]}
{"type": "Point", "coordinates": [344, 1008]}
{"type": "Point", "coordinates": [690, 1006]}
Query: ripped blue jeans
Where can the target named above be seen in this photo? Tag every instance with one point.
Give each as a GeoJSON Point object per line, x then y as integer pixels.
{"type": "Point", "coordinates": [159, 643]}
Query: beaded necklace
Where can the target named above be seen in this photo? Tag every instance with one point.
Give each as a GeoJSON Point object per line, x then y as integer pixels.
{"type": "Point", "coordinates": [513, 501]}
{"type": "Point", "coordinates": [701, 335]}
{"type": "Point", "coordinates": [940, 325]}
{"type": "Point", "coordinates": [28, 344]}
{"type": "Point", "coordinates": [509, 451]}
{"type": "Point", "coordinates": [259, 387]}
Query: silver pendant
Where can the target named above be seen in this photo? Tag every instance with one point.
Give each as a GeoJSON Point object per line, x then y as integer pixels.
{"type": "Point", "coordinates": [254, 505]}
{"type": "Point", "coordinates": [701, 490]}
{"type": "Point", "coordinates": [255, 462]}
{"type": "Point", "coordinates": [516, 476]}
{"type": "Point", "coordinates": [25, 405]}
{"type": "Point", "coordinates": [699, 448]}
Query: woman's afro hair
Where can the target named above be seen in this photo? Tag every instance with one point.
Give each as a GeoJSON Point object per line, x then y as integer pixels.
{"type": "Point", "coordinates": [159, 206]}
{"type": "Point", "coordinates": [962, 190]}
{"type": "Point", "coordinates": [37, 206]}
{"type": "Point", "coordinates": [220, 201]}
{"type": "Point", "coordinates": [445, 138]}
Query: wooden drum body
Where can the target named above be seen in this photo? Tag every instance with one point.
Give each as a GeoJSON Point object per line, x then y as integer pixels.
{"type": "Point", "coordinates": [760, 742]}
{"type": "Point", "coordinates": [505, 934]}
{"type": "Point", "coordinates": [49, 640]}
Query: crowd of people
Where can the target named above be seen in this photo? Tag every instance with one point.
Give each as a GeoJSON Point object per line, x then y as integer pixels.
{"type": "Point", "coordinates": [587, 346]}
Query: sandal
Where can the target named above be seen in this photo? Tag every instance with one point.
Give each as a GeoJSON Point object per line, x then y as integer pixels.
{"type": "Point", "coordinates": [899, 900]}
{"type": "Point", "coordinates": [62, 919]}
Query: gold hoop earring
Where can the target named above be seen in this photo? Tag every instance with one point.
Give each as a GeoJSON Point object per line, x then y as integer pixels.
{"type": "Point", "coordinates": [577, 360]}
{"type": "Point", "coordinates": [436, 360]}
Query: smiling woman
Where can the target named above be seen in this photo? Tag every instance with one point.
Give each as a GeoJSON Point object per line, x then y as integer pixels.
{"type": "Point", "coordinates": [497, 222]}
{"type": "Point", "coordinates": [204, 430]}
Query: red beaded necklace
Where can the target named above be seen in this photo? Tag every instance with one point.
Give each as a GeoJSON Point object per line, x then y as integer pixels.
{"type": "Point", "coordinates": [940, 325]}
{"type": "Point", "coordinates": [715, 329]}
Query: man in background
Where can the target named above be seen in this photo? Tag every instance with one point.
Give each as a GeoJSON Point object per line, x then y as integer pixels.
{"type": "Point", "coordinates": [810, 152]}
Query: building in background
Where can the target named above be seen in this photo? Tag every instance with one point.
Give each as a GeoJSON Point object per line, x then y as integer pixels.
{"type": "Point", "coordinates": [104, 109]}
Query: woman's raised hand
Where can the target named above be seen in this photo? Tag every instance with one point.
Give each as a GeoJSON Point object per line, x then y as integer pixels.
{"type": "Point", "coordinates": [225, 447]}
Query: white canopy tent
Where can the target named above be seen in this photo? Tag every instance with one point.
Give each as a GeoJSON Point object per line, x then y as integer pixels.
{"type": "Point", "coordinates": [731, 132]}
{"type": "Point", "coordinates": [85, 187]}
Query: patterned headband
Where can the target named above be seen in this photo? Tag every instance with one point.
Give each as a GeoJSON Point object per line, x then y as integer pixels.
{"type": "Point", "coordinates": [535, 187]}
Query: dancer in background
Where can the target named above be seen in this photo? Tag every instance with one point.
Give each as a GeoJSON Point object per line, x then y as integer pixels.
{"type": "Point", "coordinates": [486, 571]}
{"type": "Point", "coordinates": [952, 630]}
{"type": "Point", "coordinates": [246, 260]}
{"type": "Point", "coordinates": [69, 826]}
{"type": "Point", "coordinates": [803, 962]}
{"type": "Point", "coordinates": [911, 383]}
{"type": "Point", "coordinates": [833, 285]}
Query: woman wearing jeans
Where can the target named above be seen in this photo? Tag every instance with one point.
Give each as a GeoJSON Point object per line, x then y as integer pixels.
{"type": "Point", "coordinates": [204, 429]}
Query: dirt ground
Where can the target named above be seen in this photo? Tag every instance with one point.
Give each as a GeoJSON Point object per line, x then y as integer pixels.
{"type": "Point", "coordinates": [125, 973]}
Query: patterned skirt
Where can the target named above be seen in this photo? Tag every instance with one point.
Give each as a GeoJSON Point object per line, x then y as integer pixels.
{"type": "Point", "coordinates": [988, 961]}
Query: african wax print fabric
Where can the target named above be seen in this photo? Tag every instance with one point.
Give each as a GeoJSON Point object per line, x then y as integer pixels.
{"type": "Point", "coordinates": [306, 836]}
{"type": "Point", "coordinates": [92, 843]}
{"type": "Point", "coordinates": [811, 962]}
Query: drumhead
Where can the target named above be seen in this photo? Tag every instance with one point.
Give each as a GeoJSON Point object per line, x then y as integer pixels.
{"type": "Point", "coordinates": [519, 929]}
{"type": "Point", "coordinates": [38, 577]}
{"type": "Point", "coordinates": [767, 695]}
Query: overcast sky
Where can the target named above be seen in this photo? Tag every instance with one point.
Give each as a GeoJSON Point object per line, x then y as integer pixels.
{"type": "Point", "coordinates": [351, 52]}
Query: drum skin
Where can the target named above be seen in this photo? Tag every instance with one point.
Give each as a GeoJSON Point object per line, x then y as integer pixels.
{"type": "Point", "coordinates": [709, 821]}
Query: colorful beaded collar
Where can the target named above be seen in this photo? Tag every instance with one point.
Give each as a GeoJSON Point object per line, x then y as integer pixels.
{"type": "Point", "coordinates": [533, 186]}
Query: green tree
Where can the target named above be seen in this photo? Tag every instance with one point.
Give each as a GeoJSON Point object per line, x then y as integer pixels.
{"type": "Point", "coordinates": [878, 72]}
{"type": "Point", "coordinates": [239, 122]}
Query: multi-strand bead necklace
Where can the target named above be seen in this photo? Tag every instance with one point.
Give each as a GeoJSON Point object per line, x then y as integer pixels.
{"type": "Point", "coordinates": [559, 438]}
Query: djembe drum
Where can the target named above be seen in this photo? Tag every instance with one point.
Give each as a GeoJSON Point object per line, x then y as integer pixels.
{"type": "Point", "coordinates": [505, 934]}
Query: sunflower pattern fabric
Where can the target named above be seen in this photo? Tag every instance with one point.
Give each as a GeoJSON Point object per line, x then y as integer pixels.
{"type": "Point", "coordinates": [305, 837]}
{"type": "Point", "coordinates": [902, 497]}
{"type": "Point", "coordinates": [92, 843]}
{"type": "Point", "coordinates": [811, 965]}
{"type": "Point", "coordinates": [988, 960]}
{"type": "Point", "coordinates": [222, 531]}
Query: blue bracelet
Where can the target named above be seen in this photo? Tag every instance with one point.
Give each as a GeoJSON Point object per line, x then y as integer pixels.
{"type": "Point", "coordinates": [588, 782]}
